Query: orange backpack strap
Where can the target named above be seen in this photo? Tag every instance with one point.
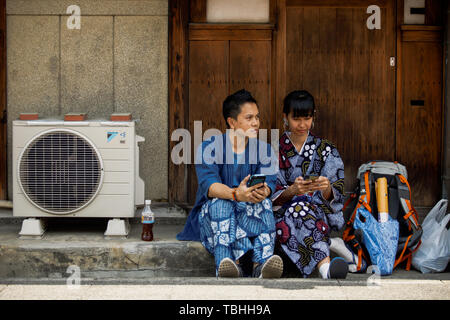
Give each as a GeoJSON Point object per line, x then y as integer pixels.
{"type": "Point", "coordinates": [364, 200]}
{"type": "Point", "coordinates": [367, 185]}
{"type": "Point", "coordinates": [410, 215]}
{"type": "Point", "coordinates": [405, 201]}
{"type": "Point", "coordinates": [346, 234]}
{"type": "Point", "coordinates": [350, 199]}
{"type": "Point", "coordinates": [401, 258]}
{"type": "Point", "coordinates": [363, 188]}
{"type": "Point", "coordinates": [365, 205]}
{"type": "Point", "coordinates": [353, 243]}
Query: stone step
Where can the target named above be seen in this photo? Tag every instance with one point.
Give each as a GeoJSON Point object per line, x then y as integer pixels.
{"type": "Point", "coordinates": [84, 246]}
{"type": "Point", "coordinates": [66, 248]}
{"type": "Point", "coordinates": [80, 242]}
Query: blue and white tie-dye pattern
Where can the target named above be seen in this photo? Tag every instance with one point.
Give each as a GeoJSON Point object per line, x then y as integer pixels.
{"type": "Point", "coordinates": [229, 229]}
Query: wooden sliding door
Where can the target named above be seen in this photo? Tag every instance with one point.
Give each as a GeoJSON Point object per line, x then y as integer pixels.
{"type": "Point", "coordinates": [378, 91]}
{"type": "Point", "coordinates": [325, 47]}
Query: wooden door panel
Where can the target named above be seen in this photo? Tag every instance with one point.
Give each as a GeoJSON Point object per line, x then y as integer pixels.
{"type": "Point", "coordinates": [208, 87]}
{"type": "Point", "coordinates": [345, 127]}
{"type": "Point", "coordinates": [219, 68]}
{"type": "Point", "coordinates": [382, 91]}
{"type": "Point", "coordinates": [331, 53]}
{"type": "Point", "coordinates": [310, 50]}
{"type": "Point", "coordinates": [327, 72]}
{"type": "Point", "coordinates": [419, 128]}
{"type": "Point", "coordinates": [294, 59]}
{"type": "Point", "coordinates": [359, 90]}
{"type": "Point", "coordinates": [250, 66]}
{"type": "Point", "coordinates": [208, 82]}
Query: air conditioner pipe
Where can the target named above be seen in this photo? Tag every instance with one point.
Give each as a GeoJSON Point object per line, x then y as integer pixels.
{"type": "Point", "coordinates": [6, 204]}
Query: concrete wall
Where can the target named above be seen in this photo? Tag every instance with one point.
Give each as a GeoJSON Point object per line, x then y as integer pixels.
{"type": "Point", "coordinates": [116, 62]}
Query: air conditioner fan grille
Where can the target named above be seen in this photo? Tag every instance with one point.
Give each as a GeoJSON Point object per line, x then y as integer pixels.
{"type": "Point", "coordinates": [60, 172]}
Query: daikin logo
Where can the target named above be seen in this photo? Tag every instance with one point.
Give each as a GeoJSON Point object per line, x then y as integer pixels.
{"type": "Point", "coordinates": [111, 134]}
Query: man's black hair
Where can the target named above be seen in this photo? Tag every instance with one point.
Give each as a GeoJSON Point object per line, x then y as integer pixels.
{"type": "Point", "coordinates": [232, 105]}
{"type": "Point", "coordinates": [300, 102]}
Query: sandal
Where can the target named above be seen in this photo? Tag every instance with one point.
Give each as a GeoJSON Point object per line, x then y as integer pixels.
{"type": "Point", "coordinates": [338, 268]}
{"type": "Point", "coordinates": [229, 269]}
{"type": "Point", "coordinates": [271, 269]}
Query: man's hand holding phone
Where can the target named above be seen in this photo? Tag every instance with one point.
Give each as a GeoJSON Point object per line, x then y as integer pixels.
{"type": "Point", "coordinates": [254, 194]}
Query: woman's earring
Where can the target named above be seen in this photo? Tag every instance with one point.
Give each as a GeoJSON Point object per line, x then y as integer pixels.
{"type": "Point", "coordinates": [312, 125]}
{"type": "Point", "coordinates": [285, 122]}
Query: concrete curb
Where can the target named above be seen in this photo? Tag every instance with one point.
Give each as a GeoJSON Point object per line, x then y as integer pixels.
{"type": "Point", "coordinates": [98, 258]}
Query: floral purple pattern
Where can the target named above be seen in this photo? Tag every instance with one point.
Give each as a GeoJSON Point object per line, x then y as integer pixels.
{"type": "Point", "coordinates": [309, 218]}
{"type": "Point", "coordinates": [283, 232]}
{"type": "Point", "coordinates": [322, 226]}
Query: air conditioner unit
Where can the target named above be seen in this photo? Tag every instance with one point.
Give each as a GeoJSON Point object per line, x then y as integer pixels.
{"type": "Point", "coordinates": [76, 169]}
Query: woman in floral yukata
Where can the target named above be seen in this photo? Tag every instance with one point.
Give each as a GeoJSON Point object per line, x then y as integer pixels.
{"type": "Point", "coordinates": [309, 193]}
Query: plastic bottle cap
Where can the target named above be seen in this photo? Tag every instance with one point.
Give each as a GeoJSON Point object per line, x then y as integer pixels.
{"type": "Point", "coordinates": [148, 202]}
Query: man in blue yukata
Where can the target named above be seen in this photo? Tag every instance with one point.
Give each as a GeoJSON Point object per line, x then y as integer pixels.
{"type": "Point", "coordinates": [229, 217]}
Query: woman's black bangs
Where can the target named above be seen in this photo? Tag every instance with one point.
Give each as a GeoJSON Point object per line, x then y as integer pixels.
{"type": "Point", "coordinates": [302, 110]}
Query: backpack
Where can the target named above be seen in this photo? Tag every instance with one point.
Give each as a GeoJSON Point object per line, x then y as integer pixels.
{"type": "Point", "coordinates": [400, 209]}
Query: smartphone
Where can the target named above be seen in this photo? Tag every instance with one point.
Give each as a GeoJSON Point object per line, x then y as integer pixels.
{"type": "Point", "coordinates": [311, 177]}
{"type": "Point", "coordinates": [255, 179]}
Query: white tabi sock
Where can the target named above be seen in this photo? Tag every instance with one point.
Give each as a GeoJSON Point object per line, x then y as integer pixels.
{"type": "Point", "coordinates": [338, 246]}
{"type": "Point", "coordinates": [323, 270]}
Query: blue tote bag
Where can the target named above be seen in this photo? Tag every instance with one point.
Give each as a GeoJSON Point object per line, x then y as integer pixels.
{"type": "Point", "coordinates": [380, 239]}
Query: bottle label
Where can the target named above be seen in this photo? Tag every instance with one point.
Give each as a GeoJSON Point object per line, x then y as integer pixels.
{"type": "Point", "coordinates": [148, 219]}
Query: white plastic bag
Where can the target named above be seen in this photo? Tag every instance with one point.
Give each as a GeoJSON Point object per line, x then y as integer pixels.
{"type": "Point", "coordinates": [433, 254]}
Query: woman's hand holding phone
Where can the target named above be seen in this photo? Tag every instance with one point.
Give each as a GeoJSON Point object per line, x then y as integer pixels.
{"type": "Point", "coordinates": [302, 186]}
{"type": "Point", "coordinates": [320, 184]}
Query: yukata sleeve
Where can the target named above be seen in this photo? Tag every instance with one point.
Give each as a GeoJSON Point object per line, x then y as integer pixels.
{"type": "Point", "coordinates": [207, 169]}
{"type": "Point", "coordinates": [268, 165]}
{"type": "Point", "coordinates": [281, 181]}
{"type": "Point", "coordinates": [280, 185]}
{"type": "Point", "coordinates": [334, 171]}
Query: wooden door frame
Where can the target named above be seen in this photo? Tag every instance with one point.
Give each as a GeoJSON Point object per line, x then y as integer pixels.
{"type": "Point", "coordinates": [182, 15]}
{"type": "Point", "coordinates": [432, 31]}
{"type": "Point", "coordinates": [3, 119]}
{"type": "Point", "coordinates": [178, 92]}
